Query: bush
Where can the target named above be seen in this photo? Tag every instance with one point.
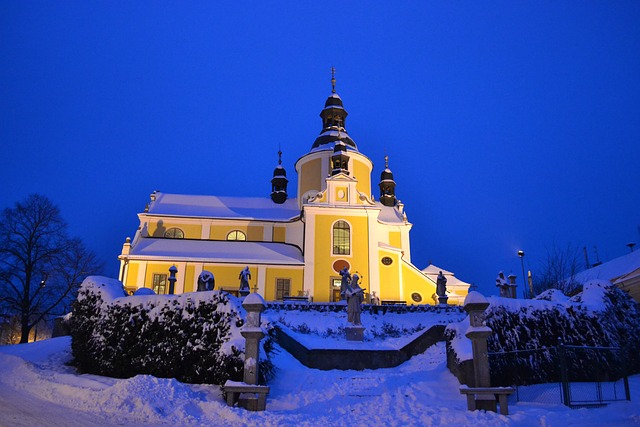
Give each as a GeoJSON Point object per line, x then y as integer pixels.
{"type": "Point", "coordinates": [526, 334]}
{"type": "Point", "coordinates": [193, 337]}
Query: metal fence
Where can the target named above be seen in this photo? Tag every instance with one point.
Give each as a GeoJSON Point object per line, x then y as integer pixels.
{"type": "Point", "coordinates": [576, 376]}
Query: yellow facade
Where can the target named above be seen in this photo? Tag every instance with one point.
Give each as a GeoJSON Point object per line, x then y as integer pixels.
{"type": "Point", "coordinates": [158, 228]}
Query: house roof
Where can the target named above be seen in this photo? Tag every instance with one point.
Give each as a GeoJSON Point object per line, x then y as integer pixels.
{"type": "Point", "coordinates": [613, 269]}
{"type": "Point", "coordinates": [216, 251]}
{"type": "Point", "coordinates": [250, 208]}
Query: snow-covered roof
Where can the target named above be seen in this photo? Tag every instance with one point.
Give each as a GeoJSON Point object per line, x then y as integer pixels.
{"type": "Point", "coordinates": [251, 208]}
{"type": "Point", "coordinates": [389, 214]}
{"type": "Point", "coordinates": [226, 251]}
{"type": "Point", "coordinates": [432, 272]}
{"type": "Point", "coordinates": [613, 269]}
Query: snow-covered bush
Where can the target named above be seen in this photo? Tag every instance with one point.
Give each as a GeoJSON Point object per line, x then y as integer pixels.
{"type": "Point", "coordinates": [526, 336]}
{"type": "Point", "coordinates": [193, 337]}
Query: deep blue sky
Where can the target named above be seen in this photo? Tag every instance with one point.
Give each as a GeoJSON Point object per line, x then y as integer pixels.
{"type": "Point", "coordinates": [509, 125]}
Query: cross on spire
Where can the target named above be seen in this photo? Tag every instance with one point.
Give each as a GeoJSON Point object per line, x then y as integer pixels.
{"type": "Point", "coordinates": [333, 80]}
{"type": "Point", "coordinates": [279, 156]}
{"type": "Point", "coordinates": [386, 161]}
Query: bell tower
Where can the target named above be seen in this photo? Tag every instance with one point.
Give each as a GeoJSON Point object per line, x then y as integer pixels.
{"type": "Point", "coordinates": [279, 182]}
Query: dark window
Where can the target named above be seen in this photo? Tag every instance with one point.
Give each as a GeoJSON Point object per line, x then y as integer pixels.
{"type": "Point", "coordinates": [283, 288]}
{"type": "Point", "coordinates": [416, 297]}
{"type": "Point", "coordinates": [160, 283]}
{"type": "Point", "coordinates": [236, 235]}
{"type": "Point", "coordinates": [174, 233]}
{"type": "Point", "coordinates": [341, 238]}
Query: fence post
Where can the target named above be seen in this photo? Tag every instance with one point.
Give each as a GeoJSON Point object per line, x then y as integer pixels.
{"type": "Point", "coordinates": [564, 377]}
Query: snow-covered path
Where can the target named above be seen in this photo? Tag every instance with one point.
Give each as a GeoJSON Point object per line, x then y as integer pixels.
{"type": "Point", "coordinates": [37, 388]}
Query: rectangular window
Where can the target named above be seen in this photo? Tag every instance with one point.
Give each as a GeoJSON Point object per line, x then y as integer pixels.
{"type": "Point", "coordinates": [160, 283]}
{"type": "Point", "coordinates": [283, 288]}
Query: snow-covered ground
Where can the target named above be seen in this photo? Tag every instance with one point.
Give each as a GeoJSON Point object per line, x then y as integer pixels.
{"type": "Point", "coordinates": [37, 388]}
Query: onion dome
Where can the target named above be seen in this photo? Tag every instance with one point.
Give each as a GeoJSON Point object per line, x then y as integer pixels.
{"type": "Point", "coordinates": [279, 182]}
{"type": "Point", "coordinates": [333, 121]}
{"type": "Point", "coordinates": [387, 185]}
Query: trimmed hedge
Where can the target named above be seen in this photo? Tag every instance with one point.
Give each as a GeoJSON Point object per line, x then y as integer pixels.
{"type": "Point", "coordinates": [192, 340]}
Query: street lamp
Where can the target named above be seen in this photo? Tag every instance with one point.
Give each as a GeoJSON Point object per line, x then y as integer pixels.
{"type": "Point", "coordinates": [524, 278]}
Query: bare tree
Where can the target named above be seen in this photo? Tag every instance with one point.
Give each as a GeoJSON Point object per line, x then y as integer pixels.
{"type": "Point", "coordinates": [41, 267]}
{"type": "Point", "coordinates": [558, 270]}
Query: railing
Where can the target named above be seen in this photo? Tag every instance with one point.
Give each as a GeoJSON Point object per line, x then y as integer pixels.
{"type": "Point", "coordinates": [576, 376]}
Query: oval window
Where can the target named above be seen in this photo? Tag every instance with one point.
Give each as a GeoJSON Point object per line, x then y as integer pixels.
{"type": "Point", "coordinates": [416, 297]}
{"type": "Point", "coordinates": [387, 260]}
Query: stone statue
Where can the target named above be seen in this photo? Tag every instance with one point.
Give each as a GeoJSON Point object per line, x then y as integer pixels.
{"type": "Point", "coordinates": [441, 283]}
{"type": "Point", "coordinates": [503, 285]}
{"type": "Point", "coordinates": [441, 289]}
{"type": "Point", "coordinates": [245, 276]}
{"type": "Point", "coordinates": [206, 281]}
{"type": "Point", "coordinates": [344, 283]}
{"type": "Point", "coordinates": [355, 296]}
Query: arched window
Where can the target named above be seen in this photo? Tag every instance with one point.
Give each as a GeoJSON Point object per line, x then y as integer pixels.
{"type": "Point", "coordinates": [174, 233]}
{"type": "Point", "coordinates": [341, 238]}
{"type": "Point", "coordinates": [236, 235]}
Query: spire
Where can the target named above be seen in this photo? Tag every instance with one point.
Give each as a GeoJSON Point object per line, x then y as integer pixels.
{"type": "Point", "coordinates": [387, 185]}
{"type": "Point", "coordinates": [279, 182]}
{"type": "Point", "coordinates": [333, 80]}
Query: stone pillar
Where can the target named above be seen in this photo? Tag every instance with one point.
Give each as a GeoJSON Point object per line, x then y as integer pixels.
{"type": "Point", "coordinates": [252, 332]}
{"type": "Point", "coordinates": [511, 293]}
{"type": "Point", "coordinates": [475, 304]}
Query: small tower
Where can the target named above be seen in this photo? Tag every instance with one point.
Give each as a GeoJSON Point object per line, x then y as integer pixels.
{"type": "Point", "coordinates": [387, 185]}
{"type": "Point", "coordinates": [279, 182]}
{"type": "Point", "coordinates": [339, 159]}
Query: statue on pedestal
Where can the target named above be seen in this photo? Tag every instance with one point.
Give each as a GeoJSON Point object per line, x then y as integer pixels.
{"type": "Point", "coordinates": [355, 296]}
{"type": "Point", "coordinates": [245, 276]}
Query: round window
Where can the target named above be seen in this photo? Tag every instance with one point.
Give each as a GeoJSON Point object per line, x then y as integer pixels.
{"type": "Point", "coordinates": [416, 297]}
{"type": "Point", "coordinates": [387, 260]}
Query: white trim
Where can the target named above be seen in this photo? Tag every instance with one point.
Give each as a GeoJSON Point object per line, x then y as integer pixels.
{"type": "Point", "coordinates": [262, 278]}
{"type": "Point", "coordinates": [181, 276]}
{"type": "Point", "coordinates": [142, 274]}
{"type": "Point", "coordinates": [309, 254]}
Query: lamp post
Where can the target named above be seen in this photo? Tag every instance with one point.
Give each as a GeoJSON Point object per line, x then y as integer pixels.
{"type": "Point", "coordinates": [524, 277]}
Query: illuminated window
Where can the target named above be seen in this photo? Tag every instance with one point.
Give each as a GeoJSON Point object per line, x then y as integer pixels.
{"type": "Point", "coordinates": [236, 235]}
{"type": "Point", "coordinates": [283, 288]}
{"type": "Point", "coordinates": [160, 283]}
{"type": "Point", "coordinates": [174, 233]}
{"type": "Point", "coordinates": [341, 238]}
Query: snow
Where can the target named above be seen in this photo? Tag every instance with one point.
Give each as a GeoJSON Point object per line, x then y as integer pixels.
{"type": "Point", "coordinates": [250, 208]}
{"type": "Point", "coordinates": [230, 251]}
{"type": "Point", "coordinates": [38, 388]}
{"type": "Point", "coordinates": [475, 297]}
{"type": "Point", "coordinates": [612, 269]}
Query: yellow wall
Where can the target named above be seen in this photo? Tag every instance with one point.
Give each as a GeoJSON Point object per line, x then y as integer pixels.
{"type": "Point", "coordinates": [414, 281]}
{"type": "Point", "coordinates": [279, 234]}
{"type": "Point", "coordinates": [227, 277]}
{"type": "Point", "coordinates": [253, 232]}
{"type": "Point", "coordinates": [132, 276]}
{"type": "Point", "coordinates": [311, 176]}
{"type": "Point", "coordinates": [158, 228]}
{"type": "Point", "coordinates": [190, 278]}
{"type": "Point", "coordinates": [389, 276]}
{"type": "Point", "coordinates": [324, 258]}
{"type": "Point", "coordinates": [273, 273]}
{"type": "Point", "coordinates": [361, 173]}
{"type": "Point", "coordinates": [395, 239]}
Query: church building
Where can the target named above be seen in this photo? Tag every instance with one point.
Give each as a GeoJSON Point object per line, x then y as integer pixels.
{"type": "Point", "coordinates": [294, 242]}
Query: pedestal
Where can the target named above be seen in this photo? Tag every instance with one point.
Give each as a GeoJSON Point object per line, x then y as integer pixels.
{"type": "Point", "coordinates": [355, 333]}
